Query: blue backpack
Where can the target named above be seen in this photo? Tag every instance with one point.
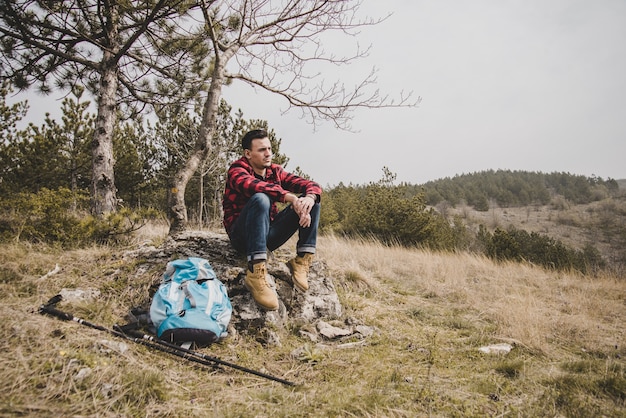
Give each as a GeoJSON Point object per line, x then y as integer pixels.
{"type": "Point", "coordinates": [191, 304]}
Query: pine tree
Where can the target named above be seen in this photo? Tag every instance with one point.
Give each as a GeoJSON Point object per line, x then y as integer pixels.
{"type": "Point", "coordinates": [106, 47]}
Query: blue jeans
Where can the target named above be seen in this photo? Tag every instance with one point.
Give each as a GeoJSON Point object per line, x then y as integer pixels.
{"type": "Point", "coordinates": [253, 233]}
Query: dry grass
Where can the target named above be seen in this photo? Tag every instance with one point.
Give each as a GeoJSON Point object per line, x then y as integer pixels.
{"type": "Point", "coordinates": [535, 308]}
{"type": "Point", "coordinates": [432, 312]}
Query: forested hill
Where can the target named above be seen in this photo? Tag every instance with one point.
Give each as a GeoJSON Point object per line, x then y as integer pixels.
{"type": "Point", "coordinates": [515, 188]}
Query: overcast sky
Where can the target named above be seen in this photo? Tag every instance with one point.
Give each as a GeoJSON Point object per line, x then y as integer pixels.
{"type": "Point", "coordinates": [534, 85]}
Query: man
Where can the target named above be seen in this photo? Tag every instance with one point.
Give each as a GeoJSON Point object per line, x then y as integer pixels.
{"type": "Point", "coordinates": [253, 222]}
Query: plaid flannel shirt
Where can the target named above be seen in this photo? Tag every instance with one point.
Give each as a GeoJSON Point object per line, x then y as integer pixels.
{"type": "Point", "coordinates": [242, 183]}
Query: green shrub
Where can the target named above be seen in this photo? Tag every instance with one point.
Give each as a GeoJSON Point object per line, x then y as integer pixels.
{"type": "Point", "coordinates": [519, 245]}
{"type": "Point", "coordinates": [115, 228]}
{"type": "Point", "coordinates": [386, 213]}
{"type": "Point", "coordinates": [47, 216]}
{"type": "Point", "coordinates": [60, 217]}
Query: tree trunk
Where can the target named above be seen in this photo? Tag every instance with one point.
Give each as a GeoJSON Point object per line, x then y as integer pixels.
{"type": "Point", "coordinates": [103, 193]}
{"type": "Point", "coordinates": [201, 192]}
{"type": "Point", "coordinates": [176, 193]}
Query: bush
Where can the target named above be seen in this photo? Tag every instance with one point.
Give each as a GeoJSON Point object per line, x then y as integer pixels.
{"type": "Point", "coordinates": [385, 213]}
{"type": "Point", "coordinates": [519, 245]}
{"type": "Point", "coordinates": [60, 217]}
{"type": "Point", "coordinates": [47, 216]}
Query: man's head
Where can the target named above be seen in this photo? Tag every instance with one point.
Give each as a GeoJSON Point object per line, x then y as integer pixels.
{"type": "Point", "coordinates": [246, 141]}
{"type": "Point", "coordinates": [258, 150]}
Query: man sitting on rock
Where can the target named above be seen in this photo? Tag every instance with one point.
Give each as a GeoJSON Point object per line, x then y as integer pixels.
{"type": "Point", "coordinates": [253, 222]}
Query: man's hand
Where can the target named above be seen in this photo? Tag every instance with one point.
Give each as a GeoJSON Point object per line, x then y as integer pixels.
{"type": "Point", "coordinates": [305, 221]}
{"type": "Point", "coordinates": [302, 206]}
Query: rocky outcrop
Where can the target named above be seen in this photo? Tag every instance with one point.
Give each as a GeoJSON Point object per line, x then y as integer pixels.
{"type": "Point", "coordinates": [315, 307]}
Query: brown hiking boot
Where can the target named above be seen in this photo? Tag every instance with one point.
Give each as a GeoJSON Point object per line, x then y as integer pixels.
{"type": "Point", "coordinates": [256, 283]}
{"type": "Point", "coordinates": [299, 267]}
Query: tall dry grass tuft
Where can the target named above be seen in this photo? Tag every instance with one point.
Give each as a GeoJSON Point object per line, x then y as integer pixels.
{"type": "Point", "coordinates": [153, 232]}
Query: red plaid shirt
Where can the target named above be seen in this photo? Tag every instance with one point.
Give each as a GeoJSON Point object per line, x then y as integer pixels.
{"type": "Point", "coordinates": [242, 183]}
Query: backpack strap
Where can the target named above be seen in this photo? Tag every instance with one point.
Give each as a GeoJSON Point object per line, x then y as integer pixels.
{"type": "Point", "coordinates": [187, 293]}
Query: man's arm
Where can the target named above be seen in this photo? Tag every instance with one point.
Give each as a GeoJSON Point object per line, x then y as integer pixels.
{"type": "Point", "coordinates": [300, 185]}
{"type": "Point", "coordinates": [241, 181]}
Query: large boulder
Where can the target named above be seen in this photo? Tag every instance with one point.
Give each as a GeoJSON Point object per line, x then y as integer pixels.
{"type": "Point", "coordinates": [320, 302]}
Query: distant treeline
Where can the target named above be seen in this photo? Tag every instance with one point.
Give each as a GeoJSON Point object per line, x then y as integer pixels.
{"type": "Point", "coordinates": [514, 188]}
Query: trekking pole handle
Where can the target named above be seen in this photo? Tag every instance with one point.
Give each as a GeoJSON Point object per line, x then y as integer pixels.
{"type": "Point", "coordinates": [55, 312]}
{"type": "Point", "coordinates": [49, 308]}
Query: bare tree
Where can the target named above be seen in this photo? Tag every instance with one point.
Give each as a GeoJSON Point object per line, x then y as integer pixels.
{"type": "Point", "coordinates": [274, 45]}
{"type": "Point", "coordinates": [106, 45]}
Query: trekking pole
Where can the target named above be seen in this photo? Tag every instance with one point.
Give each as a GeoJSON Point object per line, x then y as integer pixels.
{"type": "Point", "coordinates": [152, 342]}
{"type": "Point", "coordinates": [146, 337]}
{"type": "Point", "coordinates": [50, 310]}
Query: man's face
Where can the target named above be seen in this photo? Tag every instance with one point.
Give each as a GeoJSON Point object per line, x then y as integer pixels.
{"type": "Point", "coordinates": [259, 155]}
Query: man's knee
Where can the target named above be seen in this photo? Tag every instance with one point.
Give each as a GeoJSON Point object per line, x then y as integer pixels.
{"type": "Point", "coordinates": [260, 200]}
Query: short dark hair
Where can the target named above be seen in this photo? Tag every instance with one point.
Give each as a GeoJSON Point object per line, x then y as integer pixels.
{"type": "Point", "coordinates": [246, 141]}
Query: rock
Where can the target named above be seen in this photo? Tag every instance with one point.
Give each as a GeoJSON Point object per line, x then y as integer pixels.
{"type": "Point", "coordinates": [79, 295]}
{"type": "Point", "coordinates": [502, 348]}
{"type": "Point", "coordinates": [331, 332]}
{"type": "Point", "coordinates": [309, 335]}
{"type": "Point", "coordinates": [108, 346]}
{"type": "Point", "coordinates": [364, 330]}
{"type": "Point", "coordinates": [82, 374]}
{"type": "Point", "coordinates": [106, 390]}
{"type": "Point", "coordinates": [319, 302]}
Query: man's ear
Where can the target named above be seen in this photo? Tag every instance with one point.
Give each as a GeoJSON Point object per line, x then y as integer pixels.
{"type": "Point", "coordinates": [246, 153]}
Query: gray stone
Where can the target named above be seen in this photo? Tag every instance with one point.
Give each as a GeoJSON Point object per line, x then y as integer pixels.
{"type": "Point", "coordinates": [319, 302]}
{"type": "Point", "coordinates": [79, 295]}
{"type": "Point", "coordinates": [364, 330]}
{"type": "Point", "coordinates": [82, 374]}
{"type": "Point", "coordinates": [332, 332]}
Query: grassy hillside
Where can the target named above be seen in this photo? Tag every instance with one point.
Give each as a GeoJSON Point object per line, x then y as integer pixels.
{"type": "Point", "coordinates": [587, 216]}
{"type": "Point", "coordinates": [432, 312]}
{"type": "Point", "coordinates": [600, 224]}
